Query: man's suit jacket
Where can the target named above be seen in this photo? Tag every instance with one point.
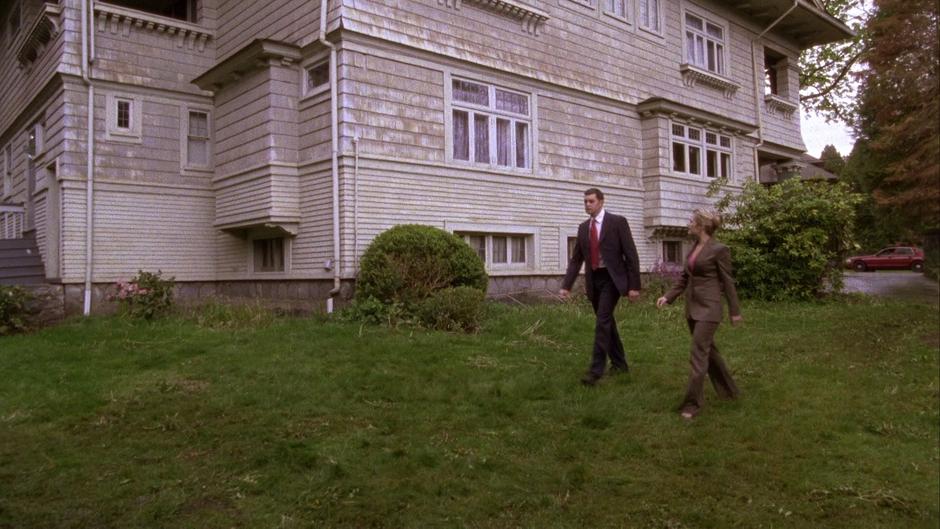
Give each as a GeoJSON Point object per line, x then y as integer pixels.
{"type": "Point", "coordinates": [617, 251]}
{"type": "Point", "coordinates": [704, 284]}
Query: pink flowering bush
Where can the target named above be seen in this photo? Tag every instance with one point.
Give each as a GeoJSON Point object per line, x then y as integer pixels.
{"type": "Point", "coordinates": [661, 277]}
{"type": "Point", "coordinates": [146, 295]}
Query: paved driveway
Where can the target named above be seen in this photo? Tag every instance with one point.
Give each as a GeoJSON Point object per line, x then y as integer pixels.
{"type": "Point", "coordinates": [896, 284]}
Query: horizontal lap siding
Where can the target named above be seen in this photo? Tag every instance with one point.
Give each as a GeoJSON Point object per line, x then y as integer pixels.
{"type": "Point", "coordinates": [394, 193]}
{"type": "Point", "coordinates": [243, 126]}
{"type": "Point", "coordinates": [314, 242]}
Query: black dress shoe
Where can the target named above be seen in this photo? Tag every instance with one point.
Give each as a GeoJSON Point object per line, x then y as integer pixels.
{"type": "Point", "coordinates": [590, 379]}
{"type": "Point", "coordinates": [614, 371]}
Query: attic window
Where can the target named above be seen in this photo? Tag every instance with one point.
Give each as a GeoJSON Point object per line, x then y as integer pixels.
{"type": "Point", "coordinates": [186, 10]}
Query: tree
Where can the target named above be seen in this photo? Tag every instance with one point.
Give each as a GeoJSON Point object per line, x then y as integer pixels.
{"type": "Point", "coordinates": [899, 111]}
{"type": "Point", "coordinates": [826, 81]}
{"type": "Point", "coordinates": [832, 160]}
{"type": "Point", "coordinates": [788, 241]}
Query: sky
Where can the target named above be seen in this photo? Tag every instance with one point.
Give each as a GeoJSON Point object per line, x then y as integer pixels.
{"type": "Point", "coordinates": [817, 134]}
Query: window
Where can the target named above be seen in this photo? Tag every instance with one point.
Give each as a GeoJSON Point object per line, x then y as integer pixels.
{"type": "Point", "coordinates": [124, 118]}
{"type": "Point", "coordinates": [123, 114]}
{"type": "Point", "coordinates": [187, 10]}
{"type": "Point", "coordinates": [690, 145]}
{"type": "Point", "coordinates": [197, 139]}
{"type": "Point", "coordinates": [8, 170]}
{"type": "Point", "coordinates": [500, 250]}
{"type": "Point", "coordinates": [317, 78]}
{"type": "Point", "coordinates": [269, 255]}
{"type": "Point", "coordinates": [649, 15]}
{"type": "Point", "coordinates": [490, 125]}
{"type": "Point", "coordinates": [572, 242]}
{"type": "Point", "coordinates": [672, 252]}
{"type": "Point", "coordinates": [704, 44]}
{"type": "Point", "coordinates": [617, 8]}
{"type": "Point", "coordinates": [34, 141]}
{"type": "Point", "coordinates": [776, 68]}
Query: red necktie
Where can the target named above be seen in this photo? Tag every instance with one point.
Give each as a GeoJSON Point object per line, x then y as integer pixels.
{"type": "Point", "coordinates": [595, 246]}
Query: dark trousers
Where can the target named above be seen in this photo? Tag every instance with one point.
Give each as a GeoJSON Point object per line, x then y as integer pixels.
{"type": "Point", "coordinates": [607, 342]}
{"type": "Point", "coordinates": [704, 359]}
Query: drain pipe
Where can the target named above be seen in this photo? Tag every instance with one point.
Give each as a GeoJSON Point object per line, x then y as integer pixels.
{"type": "Point", "coordinates": [757, 89]}
{"type": "Point", "coordinates": [356, 205]}
{"type": "Point", "coordinates": [88, 35]}
{"type": "Point", "coordinates": [334, 139]}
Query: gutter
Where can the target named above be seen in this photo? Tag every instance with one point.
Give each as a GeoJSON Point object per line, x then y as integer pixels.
{"type": "Point", "coordinates": [88, 46]}
{"type": "Point", "coordinates": [334, 139]}
{"type": "Point", "coordinates": [757, 90]}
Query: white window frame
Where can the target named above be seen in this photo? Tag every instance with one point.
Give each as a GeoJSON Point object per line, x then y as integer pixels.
{"type": "Point", "coordinates": [287, 247]}
{"type": "Point", "coordinates": [599, 9]}
{"type": "Point", "coordinates": [721, 56]}
{"type": "Point", "coordinates": [723, 147]}
{"type": "Point", "coordinates": [492, 115]}
{"type": "Point", "coordinates": [308, 91]}
{"type": "Point", "coordinates": [131, 134]}
{"type": "Point", "coordinates": [489, 231]}
{"type": "Point", "coordinates": [657, 10]}
{"type": "Point", "coordinates": [7, 187]}
{"type": "Point", "coordinates": [185, 165]}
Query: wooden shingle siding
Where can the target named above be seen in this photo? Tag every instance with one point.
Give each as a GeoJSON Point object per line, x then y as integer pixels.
{"type": "Point", "coordinates": [574, 51]}
{"type": "Point", "coordinates": [284, 20]}
{"type": "Point", "coordinates": [313, 128]}
{"type": "Point", "coordinates": [20, 85]}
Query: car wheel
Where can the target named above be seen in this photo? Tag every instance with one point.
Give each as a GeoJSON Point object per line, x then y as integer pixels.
{"type": "Point", "coordinates": [917, 267]}
{"type": "Point", "coordinates": [859, 266]}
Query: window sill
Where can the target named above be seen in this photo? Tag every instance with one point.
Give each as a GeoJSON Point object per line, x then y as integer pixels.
{"type": "Point", "coordinates": [531, 18]}
{"type": "Point", "coordinates": [123, 137]}
{"type": "Point", "coordinates": [489, 167]}
{"type": "Point", "coordinates": [318, 91]}
{"type": "Point", "coordinates": [693, 76]}
{"type": "Point", "coordinates": [777, 105]}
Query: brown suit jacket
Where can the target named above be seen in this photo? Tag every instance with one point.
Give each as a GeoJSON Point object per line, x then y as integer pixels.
{"type": "Point", "coordinates": [704, 284]}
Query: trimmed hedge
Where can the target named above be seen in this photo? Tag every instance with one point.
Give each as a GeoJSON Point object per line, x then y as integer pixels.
{"type": "Point", "coordinates": [408, 263]}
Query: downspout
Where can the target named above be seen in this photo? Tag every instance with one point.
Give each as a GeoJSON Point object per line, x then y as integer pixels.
{"type": "Point", "coordinates": [334, 139]}
{"type": "Point", "coordinates": [356, 204]}
{"type": "Point", "coordinates": [757, 90]}
{"type": "Point", "coordinates": [88, 35]}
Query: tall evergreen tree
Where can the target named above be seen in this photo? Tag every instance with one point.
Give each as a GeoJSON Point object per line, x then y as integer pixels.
{"type": "Point", "coordinates": [832, 160]}
{"type": "Point", "coordinates": [898, 118]}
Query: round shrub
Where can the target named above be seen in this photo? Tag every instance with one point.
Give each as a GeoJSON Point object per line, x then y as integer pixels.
{"type": "Point", "coordinates": [408, 263]}
{"type": "Point", "coordinates": [452, 309]}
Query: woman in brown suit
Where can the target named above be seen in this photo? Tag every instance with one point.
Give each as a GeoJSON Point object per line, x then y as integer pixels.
{"type": "Point", "coordinates": [705, 277]}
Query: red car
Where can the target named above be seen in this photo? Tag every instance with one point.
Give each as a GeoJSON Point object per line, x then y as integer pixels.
{"type": "Point", "coordinates": [893, 258]}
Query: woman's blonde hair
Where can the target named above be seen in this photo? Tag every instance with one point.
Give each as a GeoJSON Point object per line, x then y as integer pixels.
{"type": "Point", "coordinates": [708, 219]}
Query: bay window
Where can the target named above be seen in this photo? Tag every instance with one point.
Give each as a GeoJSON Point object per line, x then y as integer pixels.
{"type": "Point", "coordinates": [700, 152]}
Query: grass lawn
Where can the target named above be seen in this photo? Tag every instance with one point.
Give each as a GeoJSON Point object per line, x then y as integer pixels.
{"type": "Point", "coordinates": [307, 423]}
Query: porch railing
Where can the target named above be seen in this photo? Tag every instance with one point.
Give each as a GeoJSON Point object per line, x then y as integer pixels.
{"type": "Point", "coordinates": [12, 220]}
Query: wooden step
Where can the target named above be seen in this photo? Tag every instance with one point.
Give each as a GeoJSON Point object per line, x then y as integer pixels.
{"type": "Point", "coordinates": [7, 244]}
{"type": "Point", "coordinates": [13, 262]}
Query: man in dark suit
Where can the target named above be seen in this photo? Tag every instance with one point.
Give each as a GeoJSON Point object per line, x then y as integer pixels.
{"type": "Point", "coordinates": [612, 269]}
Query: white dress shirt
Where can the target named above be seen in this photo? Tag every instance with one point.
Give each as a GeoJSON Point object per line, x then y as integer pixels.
{"type": "Point", "coordinates": [599, 219]}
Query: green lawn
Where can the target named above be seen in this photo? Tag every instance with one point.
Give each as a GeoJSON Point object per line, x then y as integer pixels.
{"type": "Point", "coordinates": [299, 423]}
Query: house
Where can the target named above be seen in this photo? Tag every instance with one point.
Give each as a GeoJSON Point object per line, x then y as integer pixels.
{"type": "Point", "coordinates": [251, 148]}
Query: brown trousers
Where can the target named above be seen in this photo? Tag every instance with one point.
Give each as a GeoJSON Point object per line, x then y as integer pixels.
{"type": "Point", "coordinates": [703, 360]}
